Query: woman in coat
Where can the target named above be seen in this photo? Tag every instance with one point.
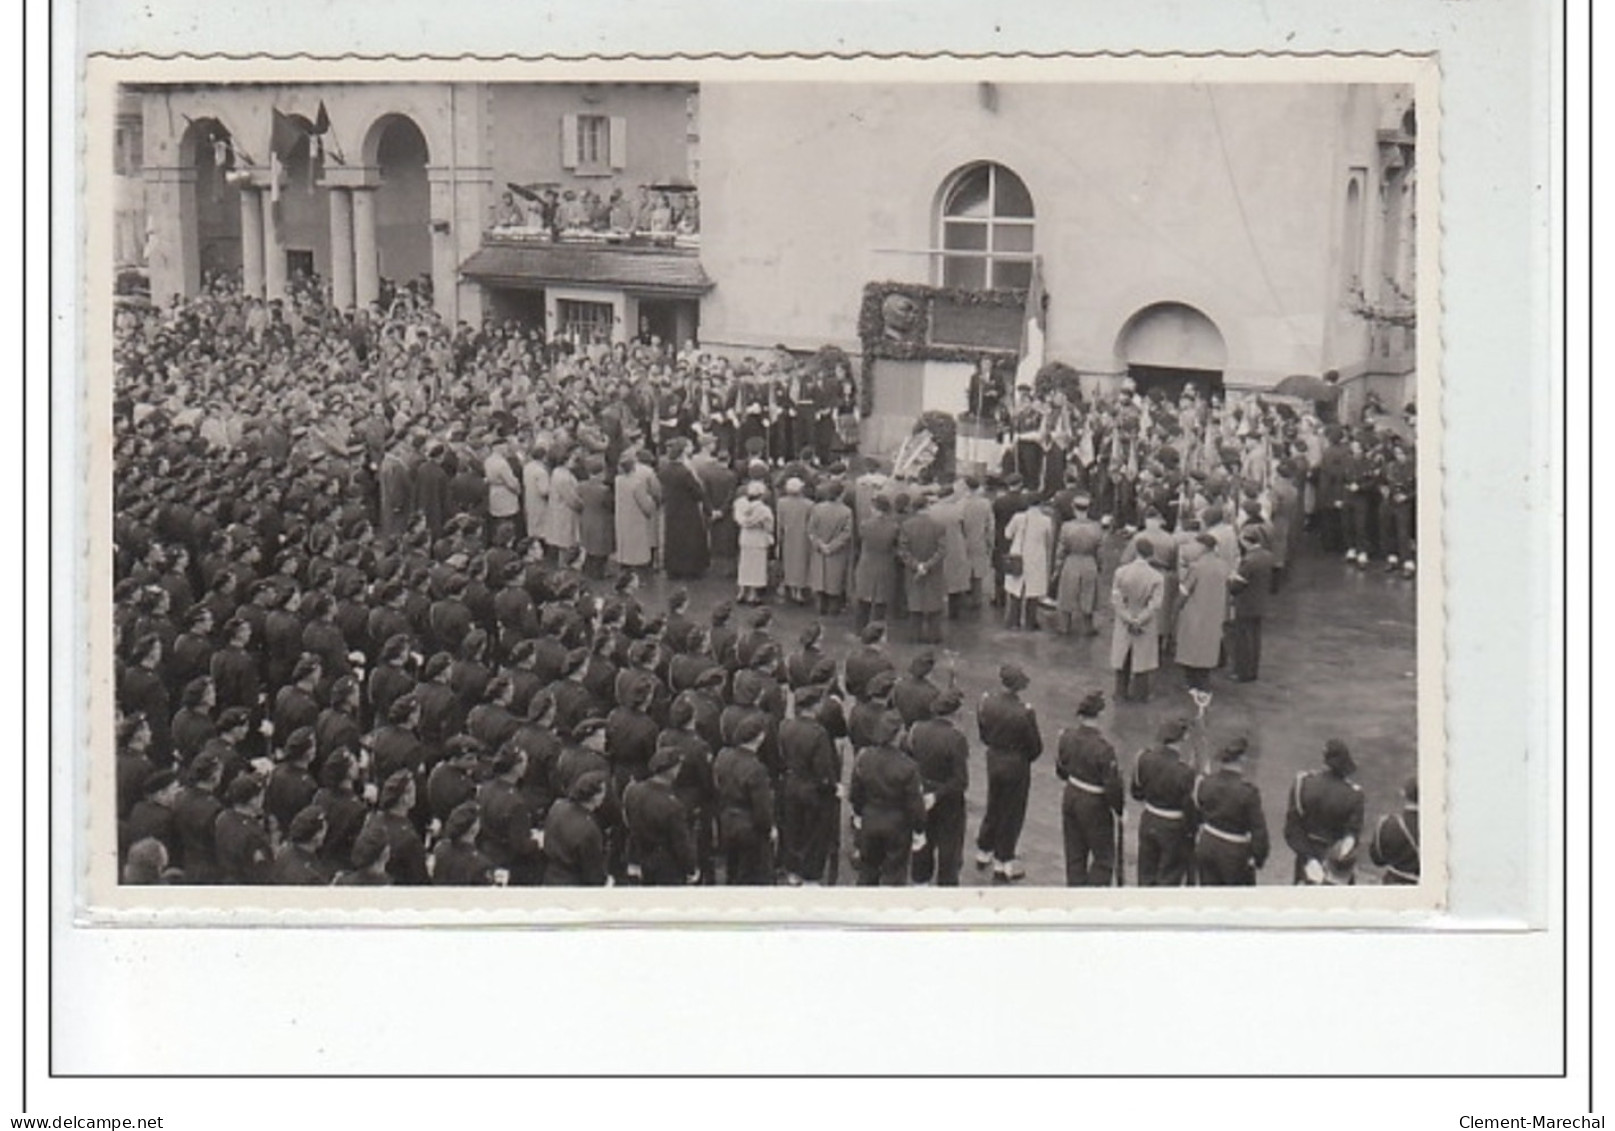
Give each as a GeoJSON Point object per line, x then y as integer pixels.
{"type": "Point", "coordinates": [756, 523]}
{"type": "Point", "coordinates": [635, 515]}
{"type": "Point", "coordinates": [795, 550]}
{"type": "Point", "coordinates": [1204, 586]}
{"type": "Point", "coordinates": [1076, 567]}
{"type": "Point", "coordinates": [684, 504]}
{"type": "Point", "coordinates": [1030, 534]}
{"type": "Point", "coordinates": [874, 579]}
{"type": "Point", "coordinates": [562, 517]}
{"type": "Point", "coordinates": [829, 529]}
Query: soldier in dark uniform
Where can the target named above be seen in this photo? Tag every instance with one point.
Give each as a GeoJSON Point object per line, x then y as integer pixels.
{"type": "Point", "coordinates": [296, 705]}
{"type": "Point", "coordinates": [454, 780]}
{"type": "Point", "coordinates": [912, 695]}
{"type": "Point", "coordinates": [942, 754]}
{"type": "Point", "coordinates": [574, 846]}
{"type": "Point", "coordinates": [133, 766]}
{"type": "Point", "coordinates": [1164, 782]}
{"type": "Point", "coordinates": [291, 786]}
{"type": "Point", "coordinates": [371, 852]}
{"type": "Point", "coordinates": [389, 682]}
{"type": "Point", "coordinates": [196, 810]}
{"type": "Point", "coordinates": [396, 746]}
{"type": "Point", "coordinates": [1091, 808]}
{"type": "Point", "coordinates": [455, 859]}
{"type": "Point", "coordinates": [1009, 729]}
{"type": "Point", "coordinates": [442, 716]}
{"type": "Point", "coordinates": [193, 723]}
{"type": "Point", "coordinates": [492, 722]}
{"type": "Point", "coordinates": [509, 837]}
{"type": "Point", "coordinates": [1395, 843]}
{"type": "Point", "coordinates": [888, 806]}
{"type": "Point", "coordinates": [869, 661]}
{"type": "Point", "coordinates": [660, 851]}
{"type": "Point", "coordinates": [745, 802]}
{"type": "Point", "coordinates": [1324, 819]}
{"type": "Point", "coordinates": [298, 861]}
{"type": "Point", "coordinates": [573, 701]}
{"type": "Point", "coordinates": [1231, 845]}
{"type": "Point", "coordinates": [875, 701]}
{"type": "Point", "coordinates": [693, 783]}
{"type": "Point", "coordinates": [344, 810]}
{"type": "Point", "coordinates": [631, 732]}
{"type": "Point", "coordinates": [244, 848]}
{"type": "Point", "coordinates": [406, 853]}
{"type": "Point", "coordinates": [812, 780]}
{"type": "Point", "coordinates": [153, 816]}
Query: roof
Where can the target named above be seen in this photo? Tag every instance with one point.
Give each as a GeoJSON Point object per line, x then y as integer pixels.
{"type": "Point", "coordinates": [660, 271]}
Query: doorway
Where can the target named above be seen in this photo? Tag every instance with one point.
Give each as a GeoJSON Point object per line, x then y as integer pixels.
{"type": "Point", "coordinates": [1172, 380]}
{"type": "Point", "coordinates": [673, 322]}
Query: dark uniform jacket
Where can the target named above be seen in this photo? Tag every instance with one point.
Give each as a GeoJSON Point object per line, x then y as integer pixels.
{"type": "Point", "coordinates": [189, 732]}
{"type": "Point", "coordinates": [235, 677]}
{"type": "Point", "coordinates": [344, 816]}
{"type": "Point", "coordinates": [1163, 781]}
{"type": "Point", "coordinates": [809, 757]}
{"type": "Point", "coordinates": [912, 696]}
{"type": "Point", "coordinates": [288, 790]}
{"type": "Point", "coordinates": [630, 742]}
{"type": "Point", "coordinates": [149, 819]}
{"type": "Point", "coordinates": [942, 754]}
{"type": "Point", "coordinates": [886, 790]}
{"type": "Point", "coordinates": [1086, 756]}
{"type": "Point", "coordinates": [460, 865]}
{"type": "Point", "coordinates": [406, 857]}
{"type": "Point", "coordinates": [491, 724]}
{"type": "Point", "coordinates": [507, 829]}
{"type": "Point", "coordinates": [1228, 803]}
{"type": "Point", "coordinates": [447, 786]}
{"type": "Point", "coordinates": [294, 865]}
{"type": "Point", "coordinates": [1323, 808]}
{"type": "Point", "coordinates": [294, 708]}
{"type": "Point", "coordinates": [574, 848]}
{"type": "Point", "coordinates": [1008, 726]}
{"type": "Point", "coordinates": [195, 811]}
{"type": "Point", "coordinates": [243, 848]}
{"type": "Point", "coordinates": [1394, 846]}
{"type": "Point", "coordinates": [659, 839]}
{"type": "Point", "coordinates": [335, 730]}
{"type": "Point", "coordinates": [745, 798]}
{"type": "Point", "coordinates": [394, 748]}
{"type": "Point", "coordinates": [865, 665]}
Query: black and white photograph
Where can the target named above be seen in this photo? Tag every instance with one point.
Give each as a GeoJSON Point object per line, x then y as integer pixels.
{"type": "Point", "coordinates": [1006, 483]}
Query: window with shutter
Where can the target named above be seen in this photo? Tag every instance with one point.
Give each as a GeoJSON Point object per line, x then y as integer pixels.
{"type": "Point", "coordinates": [594, 150]}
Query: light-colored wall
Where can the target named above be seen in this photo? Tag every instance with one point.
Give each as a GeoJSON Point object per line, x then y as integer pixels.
{"type": "Point", "coordinates": [1224, 199]}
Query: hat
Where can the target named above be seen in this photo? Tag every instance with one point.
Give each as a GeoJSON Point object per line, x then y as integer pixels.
{"type": "Point", "coordinates": [665, 758]}
{"type": "Point", "coordinates": [793, 486]}
{"type": "Point", "coordinates": [749, 727]}
{"type": "Point", "coordinates": [392, 790]}
{"type": "Point", "coordinates": [1013, 677]}
{"type": "Point", "coordinates": [460, 820]}
{"type": "Point", "coordinates": [300, 741]}
{"type": "Point", "coordinates": [755, 489]}
{"type": "Point", "coordinates": [309, 821]}
{"type": "Point", "coordinates": [880, 685]}
{"type": "Point", "coordinates": [1091, 704]}
{"type": "Point", "coordinates": [885, 727]}
{"type": "Point", "coordinates": [1234, 749]}
{"type": "Point", "coordinates": [202, 766]}
{"type": "Point", "coordinates": [159, 780]}
{"type": "Point", "coordinates": [809, 697]}
{"type": "Point", "coordinates": [338, 765]}
{"type": "Point", "coordinates": [243, 788]}
{"type": "Point", "coordinates": [400, 708]}
{"type": "Point", "coordinates": [873, 632]}
{"type": "Point", "coordinates": [369, 845]}
{"type": "Point", "coordinates": [1172, 730]}
{"type": "Point", "coordinates": [922, 664]}
{"type": "Point", "coordinates": [587, 727]}
{"type": "Point", "coordinates": [1337, 756]}
{"type": "Point", "coordinates": [946, 703]}
{"type": "Point", "coordinates": [824, 671]}
{"type": "Point", "coordinates": [588, 784]}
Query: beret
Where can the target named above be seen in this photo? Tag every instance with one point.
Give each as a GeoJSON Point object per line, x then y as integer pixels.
{"type": "Point", "coordinates": [665, 758]}
{"type": "Point", "coordinates": [1014, 677]}
{"type": "Point", "coordinates": [505, 761]}
{"type": "Point", "coordinates": [749, 727]}
{"type": "Point", "coordinates": [392, 790]}
{"type": "Point", "coordinates": [809, 697]}
{"type": "Point", "coordinates": [873, 632]}
{"type": "Point", "coordinates": [1172, 730]}
{"type": "Point", "coordinates": [922, 664]}
{"type": "Point", "coordinates": [460, 819]}
{"type": "Point", "coordinates": [588, 784]}
{"type": "Point", "coordinates": [1234, 749]}
{"type": "Point", "coordinates": [232, 717]}
{"type": "Point", "coordinates": [1091, 704]}
{"type": "Point", "coordinates": [309, 820]}
{"type": "Point", "coordinates": [300, 741]}
{"type": "Point", "coordinates": [880, 685]}
{"type": "Point", "coordinates": [244, 788]}
{"type": "Point", "coordinates": [159, 780]}
{"type": "Point", "coordinates": [946, 703]}
{"type": "Point", "coordinates": [885, 727]}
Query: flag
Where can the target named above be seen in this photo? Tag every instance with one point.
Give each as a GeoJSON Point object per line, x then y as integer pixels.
{"type": "Point", "coordinates": [284, 135]}
{"type": "Point", "coordinates": [1032, 330]}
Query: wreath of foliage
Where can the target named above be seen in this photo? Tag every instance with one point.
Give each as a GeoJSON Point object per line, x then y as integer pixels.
{"type": "Point", "coordinates": [872, 330]}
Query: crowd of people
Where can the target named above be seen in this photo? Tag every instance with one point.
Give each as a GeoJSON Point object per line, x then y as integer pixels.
{"type": "Point", "coordinates": [379, 612]}
{"type": "Point", "coordinates": [562, 212]}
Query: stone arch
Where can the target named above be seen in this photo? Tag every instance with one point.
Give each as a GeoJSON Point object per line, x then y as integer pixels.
{"type": "Point", "coordinates": [210, 212]}
{"type": "Point", "coordinates": [1172, 334]}
{"type": "Point", "coordinates": [398, 149]}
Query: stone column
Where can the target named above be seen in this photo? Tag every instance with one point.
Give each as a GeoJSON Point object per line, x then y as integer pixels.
{"type": "Point", "coordinates": [252, 242]}
{"type": "Point", "coordinates": [274, 252]}
{"type": "Point", "coordinates": [342, 260]}
{"type": "Point", "coordinates": [367, 271]}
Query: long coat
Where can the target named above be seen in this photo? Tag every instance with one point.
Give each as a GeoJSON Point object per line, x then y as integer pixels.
{"type": "Point", "coordinates": [756, 522]}
{"type": "Point", "coordinates": [1136, 593]}
{"type": "Point", "coordinates": [1204, 585]}
{"type": "Point", "coordinates": [597, 528]}
{"type": "Point", "coordinates": [922, 542]}
{"type": "Point", "coordinates": [536, 497]}
{"type": "Point", "coordinates": [1031, 535]}
{"type": "Point", "coordinates": [684, 505]}
{"type": "Point", "coordinates": [979, 534]}
{"type": "Point", "coordinates": [562, 519]}
{"type": "Point", "coordinates": [956, 549]}
{"type": "Point", "coordinates": [830, 530]}
{"type": "Point", "coordinates": [636, 516]}
{"type": "Point", "coordinates": [397, 494]}
{"type": "Point", "coordinates": [1076, 562]}
{"type": "Point", "coordinates": [1286, 519]}
{"type": "Point", "coordinates": [875, 577]}
{"type": "Point", "coordinates": [795, 551]}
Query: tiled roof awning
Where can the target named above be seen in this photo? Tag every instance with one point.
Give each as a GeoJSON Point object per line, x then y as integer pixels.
{"type": "Point", "coordinates": [659, 272]}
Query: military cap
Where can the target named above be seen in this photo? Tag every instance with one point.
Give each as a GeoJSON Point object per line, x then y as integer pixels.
{"type": "Point", "coordinates": [946, 703]}
{"type": "Point", "coordinates": [880, 685]}
{"type": "Point", "coordinates": [588, 784]}
{"type": "Point", "coordinates": [401, 707]}
{"type": "Point", "coordinates": [338, 765]}
{"type": "Point", "coordinates": [202, 766]}
{"type": "Point", "coordinates": [748, 688]}
{"type": "Point", "coordinates": [1091, 705]}
{"type": "Point", "coordinates": [873, 632]}
{"type": "Point", "coordinates": [809, 697]}
{"type": "Point", "coordinates": [392, 790]}
{"type": "Point", "coordinates": [1171, 730]}
{"type": "Point", "coordinates": [460, 819]}
{"type": "Point", "coordinates": [1014, 677]}
{"type": "Point", "coordinates": [922, 664]}
{"type": "Point", "coordinates": [750, 727]}
{"type": "Point", "coordinates": [243, 788]}
{"type": "Point", "coordinates": [463, 748]}
{"type": "Point", "coordinates": [1234, 749]}
{"type": "Point", "coordinates": [396, 647]}
{"type": "Point", "coordinates": [300, 741]}
{"type": "Point", "coordinates": [309, 821]}
{"type": "Point", "coordinates": [824, 671]}
{"type": "Point", "coordinates": [1337, 756]}
{"type": "Point", "coordinates": [507, 758]}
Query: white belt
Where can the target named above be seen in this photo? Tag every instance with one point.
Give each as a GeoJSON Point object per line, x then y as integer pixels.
{"type": "Point", "coordinates": [1169, 814]}
{"type": "Point", "coordinates": [1401, 875]}
{"type": "Point", "coordinates": [1086, 787]}
{"type": "Point", "coordinates": [1030, 437]}
{"type": "Point", "coordinates": [1223, 834]}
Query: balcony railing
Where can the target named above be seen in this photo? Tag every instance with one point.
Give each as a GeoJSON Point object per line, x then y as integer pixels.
{"type": "Point", "coordinates": [527, 234]}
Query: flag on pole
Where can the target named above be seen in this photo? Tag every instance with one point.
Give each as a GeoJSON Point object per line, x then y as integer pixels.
{"type": "Point", "coordinates": [1032, 329]}
{"type": "Point", "coordinates": [284, 136]}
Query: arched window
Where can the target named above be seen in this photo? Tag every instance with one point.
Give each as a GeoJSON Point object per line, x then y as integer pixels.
{"type": "Point", "coordinates": [984, 236]}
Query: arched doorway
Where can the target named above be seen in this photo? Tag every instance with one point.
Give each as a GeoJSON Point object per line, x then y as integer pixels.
{"type": "Point", "coordinates": [1170, 346]}
{"type": "Point", "coordinates": [216, 203]}
{"type": "Point", "coordinates": [403, 201]}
